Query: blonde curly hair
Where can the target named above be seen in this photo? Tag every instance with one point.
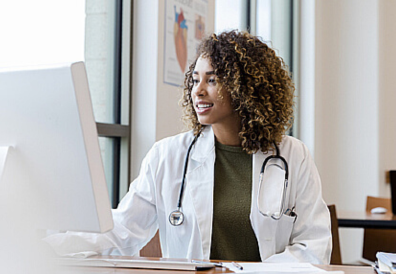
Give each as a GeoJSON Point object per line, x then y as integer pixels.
{"type": "Point", "coordinates": [259, 84]}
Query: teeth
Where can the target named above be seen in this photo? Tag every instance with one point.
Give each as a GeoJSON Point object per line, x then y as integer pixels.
{"type": "Point", "coordinates": [204, 105]}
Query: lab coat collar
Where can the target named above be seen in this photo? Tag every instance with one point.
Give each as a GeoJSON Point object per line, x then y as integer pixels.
{"type": "Point", "coordinates": [204, 146]}
{"type": "Point", "coordinates": [200, 180]}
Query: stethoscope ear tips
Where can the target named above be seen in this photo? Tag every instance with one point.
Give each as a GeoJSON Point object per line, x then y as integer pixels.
{"type": "Point", "coordinates": [176, 217]}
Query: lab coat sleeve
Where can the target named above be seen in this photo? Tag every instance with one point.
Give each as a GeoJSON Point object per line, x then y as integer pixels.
{"type": "Point", "coordinates": [135, 220]}
{"type": "Point", "coordinates": [310, 240]}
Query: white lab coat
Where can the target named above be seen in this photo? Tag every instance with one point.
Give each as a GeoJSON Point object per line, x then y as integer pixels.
{"type": "Point", "coordinates": [155, 192]}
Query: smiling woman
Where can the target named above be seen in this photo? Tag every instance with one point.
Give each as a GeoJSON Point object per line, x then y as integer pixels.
{"type": "Point", "coordinates": [205, 190]}
{"type": "Point", "coordinates": [251, 77]}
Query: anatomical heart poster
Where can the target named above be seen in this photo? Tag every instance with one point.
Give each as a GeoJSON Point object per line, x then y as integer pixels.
{"type": "Point", "coordinates": [185, 22]}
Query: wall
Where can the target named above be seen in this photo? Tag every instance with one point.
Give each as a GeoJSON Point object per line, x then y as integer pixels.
{"type": "Point", "coordinates": [168, 110]}
{"type": "Point", "coordinates": [346, 100]}
{"type": "Point", "coordinates": [387, 93]}
{"type": "Point", "coordinates": [354, 131]}
{"type": "Point", "coordinates": [155, 110]}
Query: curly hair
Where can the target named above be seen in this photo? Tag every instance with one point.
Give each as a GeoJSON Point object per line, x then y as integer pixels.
{"type": "Point", "coordinates": [259, 84]}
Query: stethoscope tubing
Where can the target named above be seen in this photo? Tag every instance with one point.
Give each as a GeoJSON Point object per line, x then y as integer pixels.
{"type": "Point", "coordinates": [277, 156]}
{"type": "Point", "coordinates": [185, 172]}
{"type": "Point", "coordinates": [285, 183]}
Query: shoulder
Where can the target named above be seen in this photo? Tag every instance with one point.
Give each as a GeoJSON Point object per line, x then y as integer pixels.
{"type": "Point", "coordinates": [168, 151]}
{"type": "Point", "coordinates": [292, 142]}
{"type": "Point", "coordinates": [174, 144]}
{"type": "Point", "coordinates": [294, 148]}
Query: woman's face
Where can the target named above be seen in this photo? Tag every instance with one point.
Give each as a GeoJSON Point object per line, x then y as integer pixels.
{"type": "Point", "coordinates": [210, 109]}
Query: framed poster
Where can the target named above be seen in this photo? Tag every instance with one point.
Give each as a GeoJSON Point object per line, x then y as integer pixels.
{"type": "Point", "coordinates": [185, 22]}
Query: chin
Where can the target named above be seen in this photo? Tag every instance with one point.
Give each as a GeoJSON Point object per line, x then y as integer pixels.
{"type": "Point", "coordinates": [204, 122]}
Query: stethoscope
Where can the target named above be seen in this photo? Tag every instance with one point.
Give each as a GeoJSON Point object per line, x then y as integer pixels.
{"type": "Point", "coordinates": [176, 217]}
{"type": "Point", "coordinates": [279, 214]}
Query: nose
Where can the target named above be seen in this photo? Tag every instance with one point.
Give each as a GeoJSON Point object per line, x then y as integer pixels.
{"type": "Point", "coordinates": [200, 89]}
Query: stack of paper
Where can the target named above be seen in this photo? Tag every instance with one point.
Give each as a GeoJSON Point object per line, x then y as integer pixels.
{"type": "Point", "coordinates": [277, 268]}
{"type": "Point", "coordinates": [386, 262]}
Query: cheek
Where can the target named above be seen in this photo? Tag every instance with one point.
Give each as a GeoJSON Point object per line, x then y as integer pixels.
{"type": "Point", "coordinates": [225, 103]}
{"type": "Point", "coordinates": [193, 99]}
{"type": "Point", "coordinates": [192, 96]}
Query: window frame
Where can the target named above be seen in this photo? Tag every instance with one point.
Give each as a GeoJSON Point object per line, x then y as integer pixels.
{"type": "Point", "coordinates": [120, 131]}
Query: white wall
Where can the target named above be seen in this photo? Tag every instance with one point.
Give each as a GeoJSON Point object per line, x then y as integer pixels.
{"type": "Point", "coordinates": [155, 110]}
{"type": "Point", "coordinates": [354, 128]}
{"type": "Point", "coordinates": [346, 100]}
{"type": "Point", "coordinates": [387, 92]}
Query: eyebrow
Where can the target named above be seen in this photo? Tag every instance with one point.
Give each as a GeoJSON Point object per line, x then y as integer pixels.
{"type": "Point", "coordinates": [207, 73]}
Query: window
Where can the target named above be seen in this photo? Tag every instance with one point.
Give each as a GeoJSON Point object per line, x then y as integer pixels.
{"type": "Point", "coordinates": [96, 31]}
{"type": "Point", "coordinates": [107, 57]}
{"type": "Point", "coordinates": [41, 32]}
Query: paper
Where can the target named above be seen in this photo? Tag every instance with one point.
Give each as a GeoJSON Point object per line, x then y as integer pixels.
{"type": "Point", "coordinates": [388, 259]}
{"type": "Point", "coordinates": [384, 268]}
{"type": "Point", "coordinates": [276, 268]}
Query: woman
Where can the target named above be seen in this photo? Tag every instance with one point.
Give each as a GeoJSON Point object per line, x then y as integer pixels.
{"type": "Point", "coordinates": [238, 98]}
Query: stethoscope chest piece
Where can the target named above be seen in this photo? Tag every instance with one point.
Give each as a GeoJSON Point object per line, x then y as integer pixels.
{"type": "Point", "coordinates": [176, 217]}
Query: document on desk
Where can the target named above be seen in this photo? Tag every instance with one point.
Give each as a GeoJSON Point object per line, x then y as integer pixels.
{"type": "Point", "coordinates": [386, 262]}
{"type": "Point", "coordinates": [277, 268]}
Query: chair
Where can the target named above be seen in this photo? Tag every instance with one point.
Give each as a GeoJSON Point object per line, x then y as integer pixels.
{"type": "Point", "coordinates": [378, 239]}
{"type": "Point", "coordinates": [336, 252]}
{"type": "Point", "coordinates": [152, 248]}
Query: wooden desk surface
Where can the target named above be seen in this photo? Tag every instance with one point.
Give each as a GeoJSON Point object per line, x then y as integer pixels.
{"type": "Point", "coordinates": [364, 219]}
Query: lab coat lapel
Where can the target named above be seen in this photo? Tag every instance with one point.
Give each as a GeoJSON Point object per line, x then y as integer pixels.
{"type": "Point", "coordinates": [200, 178]}
{"type": "Point", "coordinates": [263, 227]}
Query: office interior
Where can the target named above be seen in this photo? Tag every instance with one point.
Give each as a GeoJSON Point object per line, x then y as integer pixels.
{"type": "Point", "coordinates": [343, 59]}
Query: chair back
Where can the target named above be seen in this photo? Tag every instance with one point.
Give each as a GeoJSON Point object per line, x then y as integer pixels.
{"type": "Point", "coordinates": [378, 202]}
{"type": "Point", "coordinates": [336, 251]}
{"type": "Point", "coordinates": [152, 248]}
{"type": "Point", "coordinates": [378, 239]}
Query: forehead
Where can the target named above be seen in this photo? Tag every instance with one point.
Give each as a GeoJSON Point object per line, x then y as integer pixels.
{"type": "Point", "coordinates": [203, 64]}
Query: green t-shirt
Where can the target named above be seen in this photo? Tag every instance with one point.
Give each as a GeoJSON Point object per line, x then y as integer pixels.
{"type": "Point", "coordinates": [233, 237]}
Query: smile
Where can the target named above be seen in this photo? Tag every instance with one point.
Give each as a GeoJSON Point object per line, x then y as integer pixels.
{"type": "Point", "coordinates": [204, 106]}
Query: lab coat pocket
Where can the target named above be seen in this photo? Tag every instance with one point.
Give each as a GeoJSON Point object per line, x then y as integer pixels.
{"type": "Point", "coordinates": [265, 229]}
{"type": "Point", "coordinates": [284, 231]}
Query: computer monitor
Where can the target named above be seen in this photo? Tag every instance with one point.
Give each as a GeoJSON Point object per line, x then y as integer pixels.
{"type": "Point", "coordinates": [51, 170]}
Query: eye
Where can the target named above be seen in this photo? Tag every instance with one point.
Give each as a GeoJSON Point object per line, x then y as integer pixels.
{"type": "Point", "coordinates": [195, 82]}
{"type": "Point", "coordinates": [212, 81]}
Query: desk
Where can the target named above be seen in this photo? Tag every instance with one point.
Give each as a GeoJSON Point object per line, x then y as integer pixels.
{"type": "Point", "coordinates": [109, 270]}
{"type": "Point", "coordinates": [362, 219]}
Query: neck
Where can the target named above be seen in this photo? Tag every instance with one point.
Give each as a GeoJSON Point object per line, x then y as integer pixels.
{"type": "Point", "coordinates": [227, 136]}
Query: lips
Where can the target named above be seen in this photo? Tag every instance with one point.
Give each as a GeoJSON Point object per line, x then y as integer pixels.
{"type": "Point", "coordinates": [202, 107]}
